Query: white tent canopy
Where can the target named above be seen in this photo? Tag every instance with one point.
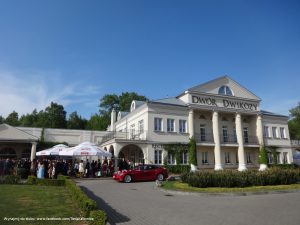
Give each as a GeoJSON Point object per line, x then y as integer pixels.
{"type": "Point", "coordinates": [85, 149]}
{"type": "Point", "coordinates": [52, 151]}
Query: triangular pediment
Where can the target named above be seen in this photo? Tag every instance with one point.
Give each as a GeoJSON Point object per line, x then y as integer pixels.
{"type": "Point", "coordinates": [9, 133]}
{"type": "Point", "coordinates": [213, 86]}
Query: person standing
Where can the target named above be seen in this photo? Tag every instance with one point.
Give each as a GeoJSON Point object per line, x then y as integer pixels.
{"type": "Point", "coordinates": [41, 170]}
{"type": "Point", "coordinates": [81, 168]}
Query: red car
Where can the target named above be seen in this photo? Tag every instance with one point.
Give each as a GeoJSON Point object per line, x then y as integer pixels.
{"type": "Point", "coordinates": [142, 173]}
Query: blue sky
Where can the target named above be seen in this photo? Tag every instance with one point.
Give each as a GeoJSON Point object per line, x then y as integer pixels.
{"type": "Point", "coordinates": [73, 52]}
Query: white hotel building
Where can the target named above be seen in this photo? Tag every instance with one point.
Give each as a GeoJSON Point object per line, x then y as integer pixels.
{"type": "Point", "coordinates": [224, 118]}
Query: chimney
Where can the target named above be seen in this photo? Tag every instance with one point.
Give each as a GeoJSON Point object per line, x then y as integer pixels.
{"type": "Point", "coordinates": [113, 118]}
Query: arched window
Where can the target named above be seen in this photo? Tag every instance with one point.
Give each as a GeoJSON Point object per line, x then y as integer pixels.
{"type": "Point", "coordinates": [225, 90]}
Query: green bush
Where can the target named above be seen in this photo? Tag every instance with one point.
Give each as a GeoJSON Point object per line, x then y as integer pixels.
{"type": "Point", "coordinates": [49, 182]}
{"type": "Point", "coordinates": [11, 179]}
{"type": "Point", "coordinates": [31, 180]}
{"type": "Point", "coordinates": [85, 203]}
{"type": "Point", "coordinates": [178, 169]}
{"type": "Point", "coordinates": [23, 173]}
{"type": "Point", "coordinates": [192, 149]}
{"type": "Point", "coordinates": [232, 178]}
{"type": "Point", "coordinates": [263, 156]}
{"type": "Point", "coordinates": [99, 217]}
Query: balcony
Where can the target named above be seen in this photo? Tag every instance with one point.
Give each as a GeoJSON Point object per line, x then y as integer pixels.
{"type": "Point", "coordinates": [295, 143]}
{"type": "Point", "coordinates": [125, 135]}
{"type": "Point", "coordinates": [229, 139]}
{"type": "Point", "coordinates": [204, 138]}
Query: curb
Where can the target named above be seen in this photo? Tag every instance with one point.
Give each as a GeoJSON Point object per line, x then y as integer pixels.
{"type": "Point", "coordinates": [227, 194]}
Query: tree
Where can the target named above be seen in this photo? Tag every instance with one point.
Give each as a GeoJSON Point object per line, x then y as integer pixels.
{"type": "Point", "coordinates": [118, 102]}
{"type": "Point", "coordinates": [263, 158]}
{"type": "Point", "coordinates": [76, 122]}
{"type": "Point", "coordinates": [56, 116]}
{"type": "Point", "coordinates": [192, 149]}
{"type": "Point", "coordinates": [1, 119]}
{"type": "Point", "coordinates": [29, 120]}
{"type": "Point", "coordinates": [13, 119]}
{"type": "Point", "coordinates": [98, 122]}
{"type": "Point", "coordinates": [294, 122]}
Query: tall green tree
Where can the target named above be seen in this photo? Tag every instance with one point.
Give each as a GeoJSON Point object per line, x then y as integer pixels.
{"type": "Point", "coordinates": [118, 102]}
{"type": "Point", "coordinates": [294, 122]}
{"type": "Point", "coordinates": [13, 119]}
{"type": "Point", "coordinates": [76, 122]}
{"type": "Point", "coordinates": [1, 119]}
{"type": "Point", "coordinates": [56, 115]}
{"type": "Point", "coordinates": [98, 122]}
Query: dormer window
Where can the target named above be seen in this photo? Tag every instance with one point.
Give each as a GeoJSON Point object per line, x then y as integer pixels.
{"type": "Point", "coordinates": [132, 106]}
{"type": "Point", "coordinates": [225, 90]}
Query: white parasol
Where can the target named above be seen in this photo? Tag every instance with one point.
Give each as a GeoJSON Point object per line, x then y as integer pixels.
{"type": "Point", "coordinates": [52, 151]}
{"type": "Point", "coordinates": [85, 149]}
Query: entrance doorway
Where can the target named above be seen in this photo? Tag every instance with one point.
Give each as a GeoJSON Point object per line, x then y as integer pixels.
{"type": "Point", "coordinates": [133, 154]}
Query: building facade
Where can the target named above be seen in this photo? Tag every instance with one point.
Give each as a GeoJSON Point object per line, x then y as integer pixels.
{"type": "Point", "coordinates": [223, 117]}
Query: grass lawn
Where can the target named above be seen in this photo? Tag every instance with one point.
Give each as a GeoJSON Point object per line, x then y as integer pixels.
{"type": "Point", "coordinates": [179, 186]}
{"type": "Point", "coordinates": [17, 201]}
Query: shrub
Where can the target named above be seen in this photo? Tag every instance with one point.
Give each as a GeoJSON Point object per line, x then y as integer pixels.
{"type": "Point", "coordinates": [263, 156]}
{"type": "Point", "coordinates": [85, 203]}
{"type": "Point", "coordinates": [192, 149]}
{"type": "Point", "coordinates": [99, 217]}
{"type": "Point", "coordinates": [31, 180]}
{"type": "Point", "coordinates": [232, 178]}
{"type": "Point", "coordinates": [178, 169]}
{"type": "Point", "coordinates": [11, 179]}
{"type": "Point", "coordinates": [49, 182]}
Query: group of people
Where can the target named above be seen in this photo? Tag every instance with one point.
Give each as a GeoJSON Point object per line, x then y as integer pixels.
{"type": "Point", "coordinates": [96, 168]}
{"type": "Point", "coordinates": [50, 168]}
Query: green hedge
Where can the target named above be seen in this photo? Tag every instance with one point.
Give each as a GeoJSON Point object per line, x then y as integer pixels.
{"type": "Point", "coordinates": [85, 203]}
{"type": "Point", "coordinates": [233, 178]}
{"type": "Point", "coordinates": [45, 182]}
{"type": "Point", "coordinates": [178, 169]}
{"type": "Point", "coordinates": [99, 217]}
{"type": "Point", "coordinates": [10, 179]}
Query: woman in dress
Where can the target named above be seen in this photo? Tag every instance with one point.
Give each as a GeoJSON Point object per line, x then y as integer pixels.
{"type": "Point", "coordinates": [81, 168]}
{"type": "Point", "coordinates": [41, 170]}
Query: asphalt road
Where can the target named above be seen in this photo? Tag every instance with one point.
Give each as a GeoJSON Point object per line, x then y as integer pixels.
{"type": "Point", "coordinates": [143, 204]}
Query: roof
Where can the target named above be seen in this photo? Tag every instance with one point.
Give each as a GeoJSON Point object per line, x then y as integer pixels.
{"type": "Point", "coordinates": [169, 101]}
{"type": "Point", "coordinates": [267, 113]}
{"type": "Point", "coordinates": [205, 87]}
{"type": "Point", "coordinates": [10, 133]}
{"type": "Point", "coordinates": [138, 103]}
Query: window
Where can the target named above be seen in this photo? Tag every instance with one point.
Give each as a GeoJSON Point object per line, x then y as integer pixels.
{"type": "Point", "coordinates": [184, 157]}
{"type": "Point", "coordinates": [266, 131]}
{"type": "Point", "coordinates": [285, 160]}
{"type": "Point", "coordinates": [132, 131]}
{"type": "Point", "coordinates": [170, 125]}
{"type": "Point", "coordinates": [202, 133]}
{"type": "Point", "coordinates": [270, 157]}
{"type": "Point", "coordinates": [182, 126]}
{"type": "Point", "coordinates": [225, 134]}
{"type": "Point", "coordinates": [282, 132]}
{"type": "Point", "coordinates": [248, 156]}
{"type": "Point", "coordinates": [171, 158]}
{"type": "Point", "coordinates": [274, 132]}
{"type": "Point", "coordinates": [234, 135]}
{"type": "Point", "coordinates": [246, 137]}
{"type": "Point", "coordinates": [141, 126]}
{"type": "Point", "coordinates": [227, 157]}
{"type": "Point", "coordinates": [158, 157]}
{"type": "Point", "coordinates": [225, 90]}
{"type": "Point", "coordinates": [157, 124]}
{"type": "Point", "coordinates": [204, 157]}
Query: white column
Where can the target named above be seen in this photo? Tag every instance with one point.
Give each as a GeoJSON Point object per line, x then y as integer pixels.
{"type": "Point", "coordinates": [191, 123]}
{"type": "Point", "coordinates": [216, 135]}
{"type": "Point", "coordinates": [259, 130]}
{"type": "Point", "coordinates": [239, 135]}
{"type": "Point", "coordinates": [33, 151]}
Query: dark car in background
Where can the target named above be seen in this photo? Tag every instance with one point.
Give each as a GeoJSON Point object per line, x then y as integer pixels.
{"type": "Point", "coordinates": [144, 172]}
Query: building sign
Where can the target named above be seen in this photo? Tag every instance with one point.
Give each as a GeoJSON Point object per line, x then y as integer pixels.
{"type": "Point", "coordinates": [224, 103]}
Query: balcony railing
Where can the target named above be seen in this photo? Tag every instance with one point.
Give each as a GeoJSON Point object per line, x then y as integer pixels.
{"type": "Point", "coordinates": [295, 143]}
{"type": "Point", "coordinates": [204, 138]}
{"type": "Point", "coordinates": [230, 139]}
{"type": "Point", "coordinates": [126, 135]}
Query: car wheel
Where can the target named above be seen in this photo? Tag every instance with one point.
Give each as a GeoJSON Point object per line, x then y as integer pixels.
{"type": "Point", "coordinates": [127, 179]}
{"type": "Point", "coordinates": [160, 177]}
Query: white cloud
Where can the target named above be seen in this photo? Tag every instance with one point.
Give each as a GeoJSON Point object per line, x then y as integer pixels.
{"type": "Point", "coordinates": [23, 92]}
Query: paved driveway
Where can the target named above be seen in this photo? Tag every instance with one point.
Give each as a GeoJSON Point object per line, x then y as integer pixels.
{"type": "Point", "coordinates": [143, 204]}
